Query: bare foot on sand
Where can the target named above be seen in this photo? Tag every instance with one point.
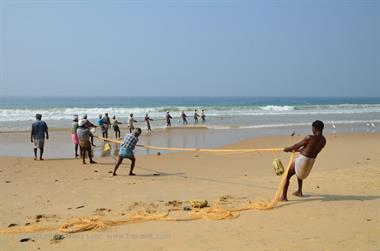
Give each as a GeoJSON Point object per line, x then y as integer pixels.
{"type": "Point", "coordinates": [114, 174]}
{"type": "Point", "coordinates": [298, 194]}
{"type": "Point", "coordinates": [282, 198]}
{"type": "Point", "coordinates": [132, 174]}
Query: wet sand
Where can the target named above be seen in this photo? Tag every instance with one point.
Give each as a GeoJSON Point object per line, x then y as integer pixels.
{"type": "Point", "coordinates": [339, 210]}
{"type": "Point", "coordinates": [59, 144]}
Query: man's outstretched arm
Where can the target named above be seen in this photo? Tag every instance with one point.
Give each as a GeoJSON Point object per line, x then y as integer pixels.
{"type": "Point", "coordinates": [298, 146]}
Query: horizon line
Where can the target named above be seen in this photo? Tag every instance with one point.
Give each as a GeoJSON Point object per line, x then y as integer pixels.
{"type": "Point", "coordinates": [174, 96]}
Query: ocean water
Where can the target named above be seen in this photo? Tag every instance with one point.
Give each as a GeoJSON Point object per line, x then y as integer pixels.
{"type": "Point", "coordinates": [17, 113]}
{"type": "Point", "coordinates": [229, 119]}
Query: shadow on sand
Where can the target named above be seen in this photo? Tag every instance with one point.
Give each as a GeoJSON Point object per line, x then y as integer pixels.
{"type": "Point", "coordinates": [329, 198]}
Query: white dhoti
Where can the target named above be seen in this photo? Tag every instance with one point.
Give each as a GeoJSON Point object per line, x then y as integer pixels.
{"type": "Point", "coordinates": [303, 166]}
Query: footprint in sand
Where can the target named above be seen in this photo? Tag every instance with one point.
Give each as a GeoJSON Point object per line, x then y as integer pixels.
{"type": "Point", "coordinates": [26, 239]}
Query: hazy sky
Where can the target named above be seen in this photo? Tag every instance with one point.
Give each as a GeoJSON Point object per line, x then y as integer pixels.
{"type": "Point", "coordinates": [190, 48]}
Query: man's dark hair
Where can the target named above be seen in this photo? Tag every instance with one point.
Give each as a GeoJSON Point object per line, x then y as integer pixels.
{"type": "Point", "coordinates": [137, 130]}
{"type": "Point", "coordinates": [318, 125]}
{"type": "Point", "coordinates": [38, 116]}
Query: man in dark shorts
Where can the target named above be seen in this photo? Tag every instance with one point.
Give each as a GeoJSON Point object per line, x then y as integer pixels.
{"type": "Point", "coordinates": [83, 133]}
{"type": "Point", "coordinates": [37, 135]}
{"type": "Point", "coordinates": [126, 150]}
{"type": "Point", "coordinates": [115, 125]}
{"type": "Point", "coordinates": [308, 148]}
{"type": "Point", "coordinates": [101, 123]}
{"type": "Point", "coordinates": [107, 123]}
{"type": "Point", "coordinates": [147, 121]}
{"type": "Point", "coordinates": [89, 125]}
{"type": "Point", "coordinates": [196, 116]}
{"type": "Point", "coordinates": [168, 119]}
{"type": "Point", "coordinates": [203, 116]}
{"type": "Point", "coordinates": [184, 116]}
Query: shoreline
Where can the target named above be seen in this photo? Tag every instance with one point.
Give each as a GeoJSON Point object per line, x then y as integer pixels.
{"type": "Point", "coordinates": [59, 144]}
{"type": "Point", "coordinates": [369, 124]}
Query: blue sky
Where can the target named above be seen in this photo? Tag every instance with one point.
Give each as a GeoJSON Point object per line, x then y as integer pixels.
{"type": "Point", "coordinates": [190, 48]}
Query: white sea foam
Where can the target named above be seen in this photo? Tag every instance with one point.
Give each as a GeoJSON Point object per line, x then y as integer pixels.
{"type": "Point", "coordinates": [276, 108]}
{"type": "Point", "coordinates": [211, 111]}
{"type": "Point", "coordinates": [278, 125]}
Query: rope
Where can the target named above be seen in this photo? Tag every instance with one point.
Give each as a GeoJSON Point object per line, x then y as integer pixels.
{"type": "Point", "coordinates": [80, 224]}
{"type": "Point", "coordinates": [197, 149]}
{"type": "Point", "coordinates": [93, 222]}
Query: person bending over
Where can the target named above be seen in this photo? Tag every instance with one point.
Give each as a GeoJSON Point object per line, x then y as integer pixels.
{"type": "Point", "coordinates": [126, 150]}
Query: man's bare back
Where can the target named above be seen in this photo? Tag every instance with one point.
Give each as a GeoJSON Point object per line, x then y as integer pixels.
{"type": "Point", "coordinates": [309, 148]}
{"type": "Point", "coordinates": [313, 145]}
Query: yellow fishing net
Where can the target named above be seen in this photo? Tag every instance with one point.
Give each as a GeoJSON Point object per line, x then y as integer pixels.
{"type": "Point", "coordinates": [172, 211]}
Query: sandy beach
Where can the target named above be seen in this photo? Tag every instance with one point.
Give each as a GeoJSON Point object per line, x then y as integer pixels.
{"type": "Point", "coordinates": [218, 93]}
{"type": "Point", "coordinates": [338, 212]}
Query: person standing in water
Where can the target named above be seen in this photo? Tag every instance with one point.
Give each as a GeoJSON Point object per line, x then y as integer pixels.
{"type": "Point", "coordinates": [131, 121]}
{"type": "Point", "coordinates": [107, 123]}
{"type": "Point", "coordinates": [184, 116]}
{"type": "Point", "coordinates": [203, 116]}
{"type": "Point", "coordinates": [168, 119]}
{"type": "Point", "coordinates": [147, 121]}
{"type": "Point", "coordinates": [88, 125]}
{"type": "Point", "coordinates": [83, 133]}
{"type": "Point", "coordinates": [115, 125]}
{"type": "Point", "coordinates": [74, 135]}
{"type": "Point", "coordinates": [37, 135]}
{"type": "Point", "coordinates": [309, 148]}
{"type": "Point", "coordinates": [102, 126]}
{"type": "Point", "coordinates": [196, 116]}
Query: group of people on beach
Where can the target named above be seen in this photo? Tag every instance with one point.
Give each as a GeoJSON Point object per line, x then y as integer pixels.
{"type": "Point", "coordinates": [183, 116]}
{"type": "Point", "coordinates": [81, 135]}
{"type": "Point", "coordinates": [104, 122]}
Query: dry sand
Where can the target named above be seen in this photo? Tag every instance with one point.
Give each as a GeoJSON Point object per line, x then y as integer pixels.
{"type": "Point", "coordinates": [340, 210]}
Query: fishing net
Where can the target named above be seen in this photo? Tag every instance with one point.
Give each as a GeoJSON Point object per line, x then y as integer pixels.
{"type": "Point", "coordinates": [172, 211]}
